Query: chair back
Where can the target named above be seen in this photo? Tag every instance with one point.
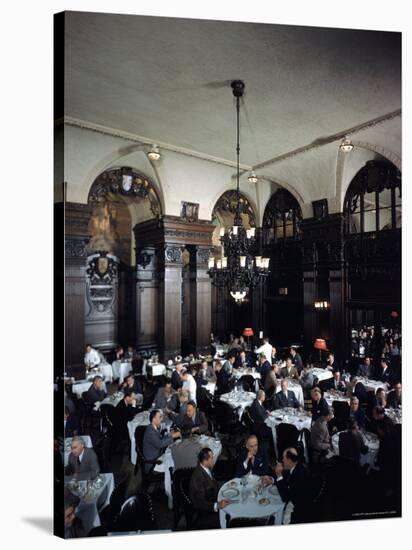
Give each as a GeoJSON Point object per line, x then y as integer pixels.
{"type": "Point", "coordinates": [136, 514]}
{"type": "Point", "coordinates": [180, 494]}
{"type": "Point", "coordinates": [341, 412]}
{"type": "Point", "coordinates": [287, 436]}
{"type": "Point", "coordinates": [247, 382]}
{"type": "Point", "coordinates": [225, 416]}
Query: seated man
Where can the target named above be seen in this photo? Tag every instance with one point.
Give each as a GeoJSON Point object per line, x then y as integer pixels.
{"type": "Point", "coordinates": [125, 411]}
{"type": "Point", "coordinates": [289, 371]}
{"type": "Point", "coordinates": [351, 443]}
{"type": "Point", "coordinates": [294, 484]}
{"type": "Point", "coordinates": [229, 364]}
{"type": "Point", "coordinates": [154, 442]}
{"type": "Point", "coordinates": [166, 397]}
{"type": "Point", "coordinates": [319, 404]}
{"type": "Point", "coordinates": [243, 361]}
{"type": "Point", "coordinates": [285, 397]}
{"type": "Point", "coordinates": [91, 357]}
{"type": "Point", "coordinates": [365, 369]}
{"type": "Point", "coordinates": [385, 374]}
{"type": "Point", "coordinates": [320, 438]}
{"type": "Point", "coordinates": [131, 383]}
{"type": "Point", "coordinates": [395, 397]}
{"type": "Point", "coordinates": [253, 460]}
{"type": "Point", "coordinates": [95, 393]}
{"type": "Point", "coordinates": [82, 462]}
{"type": "Point", "coordinates": [203, 491]}
{"type": "Point", "coordinates": [259, 414]}
{"type": "Point", "coordinates": [336, 383]}
{"type": "Point", "coordinates": [356, 413]}
{"type": "Point", "coordinates": [192, 421]}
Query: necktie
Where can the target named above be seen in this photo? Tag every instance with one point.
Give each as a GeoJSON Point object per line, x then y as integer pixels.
{"type": "Point", "coordinates": [78, 461]}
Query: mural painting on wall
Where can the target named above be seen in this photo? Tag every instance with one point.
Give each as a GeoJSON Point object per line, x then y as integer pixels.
{"type": "Point", "coordinates": [103, 226]}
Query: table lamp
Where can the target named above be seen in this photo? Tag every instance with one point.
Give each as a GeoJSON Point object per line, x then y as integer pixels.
{"type": "Point", "coordinates": [248, 332]}
{"type": "Point", "coordinates": [320, 344]}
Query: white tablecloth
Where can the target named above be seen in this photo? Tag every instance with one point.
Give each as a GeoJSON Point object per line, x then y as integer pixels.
{"type": "Point", "coordinates": [238, 373]}
{"type": "Point", "coordinates": [121, 369]}
{"type": "Point", "coordinates": [210, 387]}
{"type": "Point", "coordinates": [89, 507]}
{"type": "Point", "coordinates": [371, 385]}
{"type": "Point", "coordinates": [167, 460]}
{"type": "Point", "coordinates": [157, 370]}
{"type": "Point", "coordinates": [370, 439]}
{"type": "Point", "coordinates": [321, 374]}
{"type": "Point", "coordinates": [83, 385]}
{"type": "Point", "coordinates": [67, 446]}
{"type": "Point", "coordinates": [395, 415]}
{"type": "Point", "coordinates": [239, 400]}
{"type": "Point", "coordinates": [250, 508]}
{"type": "Point", "coordinates": [335, 396]}
{"type": "Point", "coordinates": [296, 388]}
{"type": "Point", "coordinates": [288, 416]}
{"type": "Point", "coordinates": [112, 400]}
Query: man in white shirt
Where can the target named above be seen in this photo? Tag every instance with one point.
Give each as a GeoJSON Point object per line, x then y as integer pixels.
{"type": "Point", "coordinates": [189, 384]}
{"type": "Point", "coordinates": [265, 349]}
{"type": "Point", "coordinates": [92, 357]}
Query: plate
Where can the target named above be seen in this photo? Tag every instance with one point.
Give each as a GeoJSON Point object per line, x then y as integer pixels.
{"type": "Point", "coordinates": [230, 493]}
{"type": "Point", "coordinates": [264, 501]}
{"type": "Point", "coordinates": [273, 490]}
{"type": "Point", "coordinates": [232, 484]}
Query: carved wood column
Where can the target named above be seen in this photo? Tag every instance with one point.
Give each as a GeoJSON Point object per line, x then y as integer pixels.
{"type": "Point", "coordinates": [200, 299]}
{"type": "Point", "coordinates": [76, 217]}
{"type": "Point", "coordinates": [147, 299]}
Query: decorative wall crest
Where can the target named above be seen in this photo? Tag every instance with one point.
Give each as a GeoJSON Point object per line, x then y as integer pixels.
{"type": "Point", "coordinates": [76, 248]}
{"type": "Point", "coordinates": [228, 203]}
{"type": "Point", "coordinates": [173, 254]}
{"type": "Point", "coordinates": [320, 209]}
{"type": "Point", "coordinates": [189, 211]}
{"type": "Point", "coordinates": [101, 281]}
{"type": "Point", "coordinates": [202, 256]}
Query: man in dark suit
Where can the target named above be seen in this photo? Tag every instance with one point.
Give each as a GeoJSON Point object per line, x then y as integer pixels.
{"type": "Point", "coordinates": [297, 360]}
{"type": "Point", "coordinates": [203, 491]}
{"type": "Point", "coordinates": [252, 460]}
{"type": "Point", "coordinates": [131, 383]}
{"type": "Point", "coordinates": [222, 379]}
{"type": "Point", "coordinates": [154, 442]}
{"type": "Point", "coordinates": [365, 369]}
{"type": "Point", "coordinates": [176, 379]}
{"type": "Point", "coordinates": [95, 392]}
{"type": "Point", "coordinates": [293, 481]}
{"type": "Point", "coordinates": [319, 404]}
{"type": "Point", "coordinates": [356, 413]}
{"type": "Point", "coordinates": [259, 414]}
{"type": "Point", "coordinates": [395, 397]}
{"type": "Point", "coordinates": [166, 397]}
{"type": "Point", "coordinates": [243, 361]}
{"type": "Point", "coordinates": [289, 371]}
{"type": "Point", "coordinates": [385, 375]}
{"type": "Point", "coordinates": [71, 423]}
{"type": "Point", "coordinates": [82, 461]}
{"type": "Point", "coordinates": [336, 383]}
{"type": "Point", "coordinates": [125, 411]}
{"type": "Point", "coordinates": [351, 443]}
{"type": "Point", "coordinates": [285, 398]}
{"type": "Point", "coordinates": [201, 375]}
{"type": "Point", "coordinates": [193, 421]}
{"type": "Point", "coordinates": [263, 368]}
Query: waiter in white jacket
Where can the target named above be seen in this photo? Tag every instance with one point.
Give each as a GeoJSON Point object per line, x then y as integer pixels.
{"type": "Point", "coordinates": [265, 349]}
{"type": "Point", "coordinates": [92, 357]}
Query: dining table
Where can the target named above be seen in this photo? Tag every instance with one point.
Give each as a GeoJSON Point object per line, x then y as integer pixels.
{"type": "Point", "coordinates": [369, 384]}
{"type": "Point", "coordinates": [335, 395]}
{"type": "Point", "coordinates": [249, 499]}
{"type": "Point", "coordinates": [299, 418]}
{"type": "Point", "coordinates": [238, 399]}
{"type": "Point", "coordinates": [121, 369]}
{"type": "Point", "coordinates": [370, 439]}
{"type": "Point", "coordinates": [321, 374]}
{"type": "Point", "coordinates": [81, 386]}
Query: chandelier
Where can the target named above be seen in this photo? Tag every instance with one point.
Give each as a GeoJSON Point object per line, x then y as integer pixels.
{"type": "Point", "coordinates": [238, 269]}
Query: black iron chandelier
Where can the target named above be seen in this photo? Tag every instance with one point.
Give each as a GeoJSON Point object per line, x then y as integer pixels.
{"type": "Point", "coordinates": [238, 269]}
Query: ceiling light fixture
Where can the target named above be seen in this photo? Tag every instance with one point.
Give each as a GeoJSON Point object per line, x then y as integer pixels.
{"type": "Point", "coordinates": [240, 269]}
{"type": "Point", "coordinates": [346, 146]}
{"type": "Point", "coordinates": [252, 177]}
{"type": "Point", "coordinates": [154, 153]}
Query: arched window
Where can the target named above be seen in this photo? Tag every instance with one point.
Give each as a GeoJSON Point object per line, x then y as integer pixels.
{"type": "Point", "coordinates": [373, 200]}
{"type": "Point", "coordinates": [282, 217]}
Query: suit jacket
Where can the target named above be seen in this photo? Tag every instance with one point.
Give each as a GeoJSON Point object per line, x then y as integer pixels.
{"type": "Point", "coordinates": [162, 402]}
{"type": "Point", "coordinates": [319, 408]}
{"type": "Point", "coordinates": [260, 466]}
{"type": "Point", "coordinates": [351, 445]}
{"type": "Point", "coordinates": [203, 490]}
{"type": "Point", "coordinates": [296, 488]}
{"type": "Point", "coordinates": [248, 364]}
{"type": "Point", "coordinates": [386, 376]}
{"type": "Point", "coordinates": [136, 387]}
{"type": "Point", "coordinates": [271, 380]}
{"type": "Point", "coordinates": [319, 435]}
{"type": "Point", "coordinates": [93, 395]}
{"type": "Point", "coordinates": [185, 454]}
{"type": "Point", "coordinates": [258, 412]}
{"type": "Point", "coordinates": [177, 382]}
{"type": "Point", "coordinates": [364, 370]}
{"type": "Point", "coordinates": [88, 467]}
{"type": "Point", "coordinates": [124, 413]}
{"type": "Point", "coordinates": [222, 382]}
{"type": "Point", "coordinates": [332, 386]}
{"type": "Point", "coordinates": [359, 416]}
{"type": "Point", "coordinates": [292, 374]}
{"type": "Point", "coordinates": [394, 402]}
{"type": "Point", "coordinates": [154, 442]}
{"type": "Point", "coordinates": [186, 424]}
{"type": "Point", "coordinates": [72, 426]}
{"type": "Point", "coordinates": [281, 401]}
{"type": "Point", "coordinates": [200, 381]}
{"type": "Point", "coordinates": [298, 362]}
{"type": "Point", "coordinates": [263, 369]}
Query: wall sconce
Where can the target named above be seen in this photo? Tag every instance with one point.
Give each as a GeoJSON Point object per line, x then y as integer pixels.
{"type": "Point", "coordinates": [283, 291]}
{"type": "Point", "coordinates": [322, 305]}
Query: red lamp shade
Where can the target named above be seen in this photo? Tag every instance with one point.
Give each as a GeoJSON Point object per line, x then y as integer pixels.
{"type": "Point", "coordinates": [394, 314]}
{"type": "Point", "coordinates": [247, 332]}
{"type": "Point", "coordinates": [320, 344]}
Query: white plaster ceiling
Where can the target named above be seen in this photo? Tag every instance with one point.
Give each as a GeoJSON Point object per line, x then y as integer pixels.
{"type": "Point", "coordinates": [168, 80]}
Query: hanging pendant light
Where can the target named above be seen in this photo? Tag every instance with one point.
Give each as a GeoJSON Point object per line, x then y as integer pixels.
{"type": "Point", "coordinates": [252, 177]}
{"type": "Point", "coordinates": [238, 269]}
{"type": "Point", "coordinates": [154, 153]}
{"type": "Point", "coordinates": [346, 146]}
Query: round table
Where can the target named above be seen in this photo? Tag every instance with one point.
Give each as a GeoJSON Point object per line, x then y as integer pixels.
{"type": "Point", "coordinates": [372, 442]}
{"type": "Point", "coordinates": [370, 385]}
{"type": "Point", "coordinates": [299, 419]}
{"type": "Point", "coordinates": [331, 396]}
{"type": "Point", "coordinates": [246, 501]}
{"type": "Point", "coordinates": [121, 369]}
{"type": "Point", "coordinates": [239, 400]}
{"type": "Point", "coordinates": [238, 373]}
{"type": "Point", "coordinates": [321, 374]}
{"type": "Point", "coordinates": [83, 385]}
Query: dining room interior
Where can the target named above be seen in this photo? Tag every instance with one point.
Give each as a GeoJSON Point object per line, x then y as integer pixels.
{"type": "Point", "coordinates": [228, 344]}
